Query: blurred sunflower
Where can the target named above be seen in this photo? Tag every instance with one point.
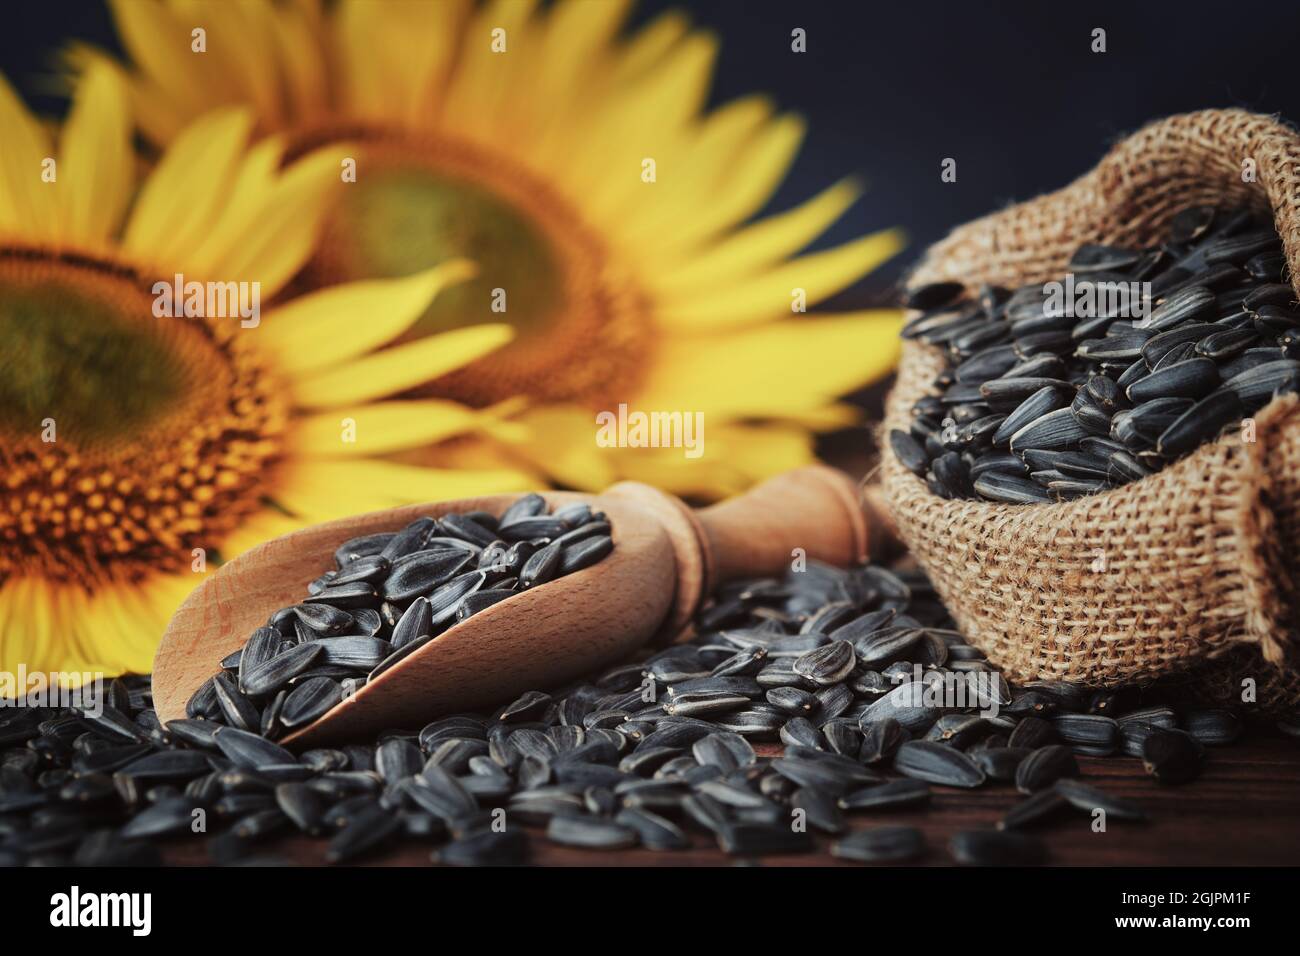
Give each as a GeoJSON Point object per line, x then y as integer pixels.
{"type": "Point", "coordinates": [608, 214]}
{"type": "Point", "coordinates": [129, 441]}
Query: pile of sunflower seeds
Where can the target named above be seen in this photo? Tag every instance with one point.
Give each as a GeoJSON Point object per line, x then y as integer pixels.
{"type": "Point", "coordinates": [1042, 401]}
{"type": "Point", "coordinates": [801, 704]}
{"type": "Point", "coordinates": [389, 595]}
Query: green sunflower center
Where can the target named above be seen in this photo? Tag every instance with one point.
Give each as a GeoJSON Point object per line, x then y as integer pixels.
{"type": "Point", "coordinates": [583, 328]}
{"type": "Point", "coordinates": [126, 440]}
{"type": "Point", "coordinates": [80, 362]}
{"type": "Point", "coordinates": [402, 219]}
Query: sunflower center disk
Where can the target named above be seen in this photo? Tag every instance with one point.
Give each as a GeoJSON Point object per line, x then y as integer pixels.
{"type": "Point", "coordinates": [582, 327]}
{"type": "Point", "coordinates": [126, 440]}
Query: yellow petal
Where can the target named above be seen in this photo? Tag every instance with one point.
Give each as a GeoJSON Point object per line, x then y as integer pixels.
{"type": "Point", "coordinates": [279, 233]}
{"type": "Point", "coordinates": [258, 528]}
{"type": "Point", "coordinates": [28, 205]}
{"type": "Point", "coordinates": [27, 626]}
{"type": "Point", "coordinates": [650, 44]}
{"type": "Point", "coordinates": [755, 247]}
{"type": "Point", "coordinates": [562, 443]}
{"type": "Point", "coordinates": [241, 56]}
{"type": "Point", "coordinates": [819, 275]}
{"type": "Point", "coordinates": [575, 35]}
{"type": "Point", "coordinates": [303, 68]}
{"type": "Point", "coordinates": [669, 96]}
{"type": "Point", "coordinates": [342, 322]}
{"type": "Point", "coordinates": [401, 367]}
{"type": "Point", "coordinates": [748, 185]}
{"type": "Point", "coordinates": [697, 165]}
{"type": "Point", "coordinates": [252, 188]}
{"type": "Point", "coordinates": [383, 427]}
{"type": "Point", "coordinates": [324, 490]}
{"type": "Point", "coordinates": [181, 198]}
{"type": "Point", "coordinates": [160, 42]}
{"type": "Point", "coordinates": [772, 369]}
{"type": "Point", "coordinates": [734, 458]}
{"type": "Point", "coordinates": [478, 91]}
{"type": "Point", "coordinates": [97, 175]}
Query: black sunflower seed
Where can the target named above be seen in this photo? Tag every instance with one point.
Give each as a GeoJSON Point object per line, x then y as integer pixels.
{"type": "Point", "coordinates": [323, 618]}
{"type": "Point", "coordinates": [584, 553]}
{"type": "Point", "coordinates": [1087, 798]}
{"type": "Point", "coordinates": [894, 844]}
{"type": "Point", "coordinates": [890, 795]}
{"type": "Point", "coordinates": [1000, 763]}
{"type": "Point", "coordinates": [997, 848]}
{"type": "Point", "coordinates": [1039, 806]}
{"type": "Point", "coordinates": [1171, 757]}
{"type": "Point", "coordinates": [1044, 767]}
{"type": "Point", "coordinates": [422, 573]}
{"type": "Point", "coordinates": [275, 673]}
{"type": "Point", "coordinates": [310, 700]}
{"type": "Point", "coordinates": [936, 763]}
{"type": "Point", "coordinates": [828, 664]}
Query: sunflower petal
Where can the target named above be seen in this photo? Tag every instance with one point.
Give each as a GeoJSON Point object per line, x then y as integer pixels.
{"type": "Point", "coordinates": [819, 275]}
{"type": "Point", "coordinates": [758, 246]}
{"type": "Point", "coordinates": [772, 369]}
{"type": "Point", "coordinates": [401, 367]}
{"type": "Point", "coordinates": [324, 490]}
{"type": "Point", "coordinates": [562, 443]}
{"type": "Point", "coordinates": [27, 204]}
{"type": "Point", "coordinates": [158, 40]}
{"type": "Point", "coordinates": [179, 201]}
{"type": "Point", "coordinates": [735, 456]}
{"type": "Point", "coordinates": [345, 321]}
{"type": "Point", "coordinates": [281, 230]}
{"type": "Point", "coordinates": [479, 88]}
{"type": "Point", "coordinates": [750, 183]}
{"type": "Point", "coordinates": [383, 427]}
{"type": "Point", "coordinates": [98, 172]}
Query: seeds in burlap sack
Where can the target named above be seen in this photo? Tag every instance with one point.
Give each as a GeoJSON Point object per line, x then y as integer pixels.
{"type": "Point", "coordinates": [1135, 359]}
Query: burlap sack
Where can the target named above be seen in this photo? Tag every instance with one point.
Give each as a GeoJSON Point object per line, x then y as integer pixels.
{"type": "Point", "coordinates": [1189, 574]}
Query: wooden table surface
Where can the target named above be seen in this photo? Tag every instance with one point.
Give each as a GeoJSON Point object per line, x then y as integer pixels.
{"type": "Point", "coordinates": [1244, 810]}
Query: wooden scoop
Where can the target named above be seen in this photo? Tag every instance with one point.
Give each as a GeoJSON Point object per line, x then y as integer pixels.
{"type": "Point", "coordinates": [666, 560]}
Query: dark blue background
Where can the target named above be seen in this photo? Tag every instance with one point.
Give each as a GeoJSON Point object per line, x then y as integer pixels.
{"type": "Point", "coordinates": [1011, 90]}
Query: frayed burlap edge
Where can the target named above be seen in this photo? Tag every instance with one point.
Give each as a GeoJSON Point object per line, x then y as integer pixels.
{"type": "Point", "coordinates": [1190, 573]}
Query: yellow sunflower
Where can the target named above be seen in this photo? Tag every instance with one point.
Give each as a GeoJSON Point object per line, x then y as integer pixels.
{"type": "Point", "coordinates": [138, 447]}
{"type": "Point", "coordinates": [610, 216]}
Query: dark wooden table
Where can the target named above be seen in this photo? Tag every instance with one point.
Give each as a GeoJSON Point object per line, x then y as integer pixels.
{"type": "Point", "coordinates": [1244, 810]}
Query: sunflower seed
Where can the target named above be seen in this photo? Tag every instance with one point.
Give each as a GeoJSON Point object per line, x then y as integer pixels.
{"type": "Point", "coordinates": [653, 831]}
{"type": "Point", "coordinates": [1089, 799]}
{"type": "Point", "coordinates": [422, 573]}
{"type": "Point", "coordinates": [890, 795]}
{"type": "Point", "coordinates": [996, 848]}
{"type": "Point", "coordinates": [488, 848]}
{"type": "Point", "coordinates": [270, 676]}
{"type": "Point", "coordinates": [310, 700]}
{"type": "Point", "coordinates": [1171, 757]}
{"type": "Point", "coordinates": [826, 665]}
{"type": "Point", "coordinates": [936, 763]}
{"type": "Point", "coordinates": [1039, 806]}
{"type": "Point", "coordinates": [1215, 728]}
{"type": "Point", "coordinates": [1044, 767]}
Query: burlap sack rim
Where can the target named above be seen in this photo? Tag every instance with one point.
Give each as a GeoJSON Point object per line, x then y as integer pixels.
{"type": "Point", "coordinates": [1262, 606]}
{"type": "Point", "coordinates": [1267, 619]}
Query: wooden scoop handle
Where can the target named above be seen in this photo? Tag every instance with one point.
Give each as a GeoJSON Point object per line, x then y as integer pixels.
{"type": "Point", "coordinates": [814, 513]}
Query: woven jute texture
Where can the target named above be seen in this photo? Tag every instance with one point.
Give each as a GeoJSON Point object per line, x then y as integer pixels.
{"type": "Point", "coordinates": [1188, 575]}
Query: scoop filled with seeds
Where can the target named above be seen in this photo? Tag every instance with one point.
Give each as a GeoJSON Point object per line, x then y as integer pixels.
{"type": "Point", "coordinates": [399, 616]}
